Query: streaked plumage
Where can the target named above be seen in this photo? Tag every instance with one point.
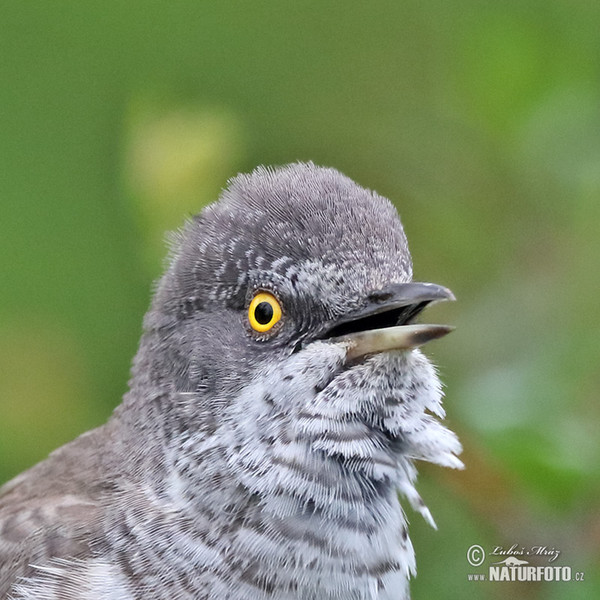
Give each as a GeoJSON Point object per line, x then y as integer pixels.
{"type": "Point", "coordinates": [244, 466]}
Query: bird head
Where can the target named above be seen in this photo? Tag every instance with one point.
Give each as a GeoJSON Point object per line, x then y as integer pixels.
{"type": "Point", "coordinates": [283, 332]}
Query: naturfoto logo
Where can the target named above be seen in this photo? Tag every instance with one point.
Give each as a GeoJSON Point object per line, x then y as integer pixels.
{"type": "Point", "coordinates": [515, 567]}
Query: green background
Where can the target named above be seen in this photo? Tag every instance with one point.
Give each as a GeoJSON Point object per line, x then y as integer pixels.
{"type": "Point", "coordinates": [480, 120]}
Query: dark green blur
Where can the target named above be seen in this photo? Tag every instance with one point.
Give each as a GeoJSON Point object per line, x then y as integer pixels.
{"type": "Point", "coordinates": [480, 120]}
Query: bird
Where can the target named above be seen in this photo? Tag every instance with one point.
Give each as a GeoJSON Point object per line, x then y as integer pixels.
{"type": "Point", "coordinates": [278, 402]}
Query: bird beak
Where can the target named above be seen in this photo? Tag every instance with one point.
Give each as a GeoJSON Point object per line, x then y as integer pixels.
{"type": "Point", "coordinates": [385, 321]}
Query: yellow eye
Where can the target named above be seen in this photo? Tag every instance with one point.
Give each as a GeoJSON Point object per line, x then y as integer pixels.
{"type": "Point", "coordinates": [264, 311]}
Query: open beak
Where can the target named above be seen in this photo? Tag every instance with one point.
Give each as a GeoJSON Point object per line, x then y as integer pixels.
{"type": "Point", "coordinates": [385, 321]}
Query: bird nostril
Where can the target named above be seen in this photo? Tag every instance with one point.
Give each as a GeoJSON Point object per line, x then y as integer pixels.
{"type": "Point", "coordinates": [379, 296]}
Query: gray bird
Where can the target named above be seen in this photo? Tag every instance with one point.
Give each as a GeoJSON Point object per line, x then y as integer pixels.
{"type": "Point", "coordinates": [277, 404]}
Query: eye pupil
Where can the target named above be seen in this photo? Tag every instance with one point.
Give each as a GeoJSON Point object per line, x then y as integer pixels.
{"type": "Point", "coordinates": [263, 313]}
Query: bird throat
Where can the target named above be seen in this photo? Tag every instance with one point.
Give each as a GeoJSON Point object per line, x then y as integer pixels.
{"type": "Point", "coordinates": [300, 478]}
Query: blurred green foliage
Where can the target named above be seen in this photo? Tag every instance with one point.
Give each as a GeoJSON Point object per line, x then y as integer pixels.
{"type": "Point", "coordinates": [481, 120]}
